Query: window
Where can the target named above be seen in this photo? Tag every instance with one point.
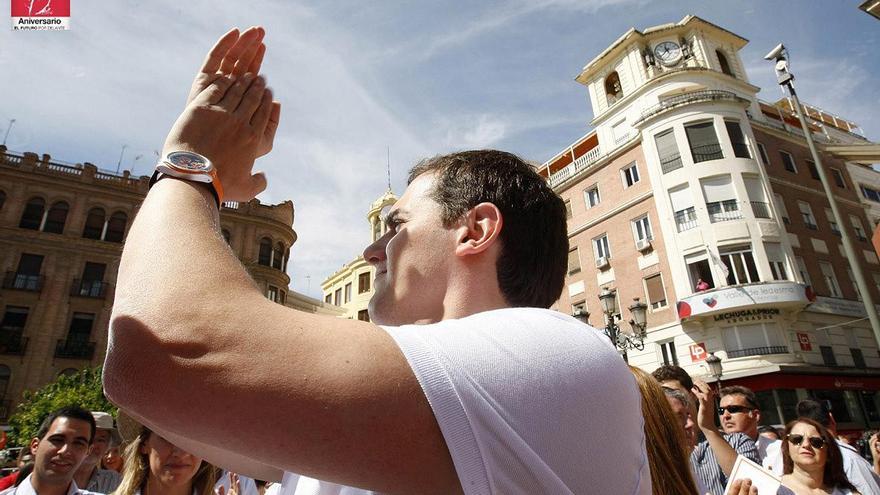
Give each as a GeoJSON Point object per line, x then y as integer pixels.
{"type": "Point", "coordinates": [829, 215]}
{"type": "Point", "coordinates": [272, 294]}
{"type": "Point", "coordinates": [763, 152]}
{"type": "Point", "coordinates": [2, 199]}
{"type": "Point", "coordinates": [337, 297]}
{"type": "Point", "coordinates": [667, 149]}
{"type": "Point", "coordinates": [348, 292]}
{"type": "Point", "coordinates": [278, 256]}
{"type": "Point", "coordinates": [852, 279]}
{"type": "Point", "coordinates": [755, 191]}
{"type": "Point", "coordinates": [363, 315]}
{"type": "Point", "coordinates": [741, 268]}
{"type": "Point", "coordinates": [858, 357]}
{"type": "Point", "coordinates": [788, 161]}
{"type": "Point", "coordinates": [600, 247]}
{"type": "Point", "coordinates": [591, 196]}
{"type": "Point", "coordinates": [814, 172]}
{"type": "Point", "coordinates": [568, 213]}
{"type": "Point", "coordinates": [574, 262]}
{"type": "Point", "coordinates": [56, 217]}
{"type": "Point", "coordinates": [364, 282]}
{"type": "Point", "coordinates": [722, 62]}
{"type": "Point", "coordinates": [777, 260]}
{"type": "Point", "coordinates": [286, 259]}
{"type": "Point", "coordinates": [613, 89]}
{"type": "Point", "coordinates": [737, 139]}
{"type": "Point", "coordinates": [838, 178]}
{"type": "Point", "coordinates": [32, 216]}
{"type": "Point", "coordinates": [721, 200]}
{"type": "Point", "coordinates": [377, 230]}
{"type": "Point", "coordinates": [780, 205]}
{"type": "Point", "coordinates": [667, 352]}
{"type": "Point", "coordinates": [630, 174]}
{"type": "Point", "coordinates": [80, 327]}
{"type": "Point", "coordinates": [92, 282]}
{"type": "Point", "coordinates": [753, 340]}
{"type": "Point", "coordinates": [116, 227]}
{"type": "Point", "coordinates": [828, 355]}
{"type": "Point", "coordinates": [94, 228]}
{"type": "Point", "coordinates": [14, 320]}
{"type": "Point", "coordinates": [642, 229]}
{"type": "Point", "coordinates": [871, 194]}
{"type": "Point", "coordinates": [699, 270]}
{"type": "Point", "coordinates": [328, 298]}
{"type": "Point", "coordinates": [703, 142]}
{"type": "Point", "coordinates": [655, 292]}
{"type": "Point", "coordinates": [858, 228]}
{"type": "Point", "coordinates": [265, 256]}
{"type": "Point", "coordinates": [27, 276]}
{"type": "Point", "coordinates": [807, 215]}
{"type": "Point", "coordinates": [683, 206]}
{"type": "Point", "coordinates": [802, 269]}
{"type": "Point", "coordinates": [830, 279]}
{"type": "Point", "coordinates": [5, 373]}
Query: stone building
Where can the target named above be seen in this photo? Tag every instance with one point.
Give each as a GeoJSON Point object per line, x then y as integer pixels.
{"type": "Point", "coordinates": [62, 228]}
{"type": "Point", "coordinates": [702, 201]}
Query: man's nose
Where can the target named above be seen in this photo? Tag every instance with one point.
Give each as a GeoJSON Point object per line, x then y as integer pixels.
{"type": "Point", "coordinates": [375, 252]}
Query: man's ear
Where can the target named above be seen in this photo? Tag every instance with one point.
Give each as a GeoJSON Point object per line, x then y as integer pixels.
{"type": "Point", "coordinates": [480, 229]}
{"type": "Point", "coordinates": [35, 442]}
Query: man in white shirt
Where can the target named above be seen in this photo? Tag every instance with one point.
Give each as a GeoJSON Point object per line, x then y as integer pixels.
{"type": "Point", "coordinates": [61, 444]}
{"type": "Point", "coordinates": [90, 475]}
{"type": "Point", "coordinates": [469, 386]}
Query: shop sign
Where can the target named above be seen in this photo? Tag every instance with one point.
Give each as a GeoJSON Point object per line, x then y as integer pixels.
{"type": "Point", "coordinates": [698, 352]}
{"type": "Point", "coordinates": [841, 307]}
{"type": "Point", "coordinates": [804, 341]}
{"type": "Point", "coordinates": [844, 384]}
{"type": "Point", "coordinates": [781, 295]}
{"type": "Point", "coordinates": [746, 315]}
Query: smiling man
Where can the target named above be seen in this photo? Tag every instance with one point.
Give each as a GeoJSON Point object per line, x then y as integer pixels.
{"type": "Point", "coordinates": [61, 444]}
{"type": "Point", "coordinates": [464, 383]}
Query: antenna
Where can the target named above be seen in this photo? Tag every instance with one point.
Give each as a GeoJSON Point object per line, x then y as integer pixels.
{"type": "Point", "coordinates": [388, 166]}
{"type": "Point", "coordinates": [11, 121]}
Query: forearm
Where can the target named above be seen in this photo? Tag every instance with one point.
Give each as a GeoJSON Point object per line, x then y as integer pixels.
{"type": "Point", "coordinates": [724, 453]}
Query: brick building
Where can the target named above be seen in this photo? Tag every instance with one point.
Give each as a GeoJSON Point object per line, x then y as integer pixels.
{"type": "Point", "coordinates": [702, 201]}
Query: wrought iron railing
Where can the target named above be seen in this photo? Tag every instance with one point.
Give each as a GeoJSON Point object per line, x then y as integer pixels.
{"type": "Point", "coordinates": [722, 211]}
{"type": "Point", "coordinates": [670, 163]}
{"type": "Point", "coordinates": [706, 152]}
{"type": "Point", "coordinates": [688, 98]}
{"type": "Point", "coordinates": [761, 209]}
{"type": "Point", "coordinates": [758, 351]}
{"type": "Point", "coordinates": [75, 349]}
{"type": "Point", "coordinates": [23, 281]}
{"type": "Point", "coordinates": [12, 343]}
{"type": "Point", "coordinates": [89, 288]}
{"type": "Point", "coordinates": [686, 219]}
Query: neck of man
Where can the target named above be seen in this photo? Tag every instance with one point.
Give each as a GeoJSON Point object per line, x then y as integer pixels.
{"type": "Point", "coordinates": [84, 474]}
{"type": "Point", "coordinates": [473, 293]}
{"type": "Point", "coordinates": [156, 487]}
{"type": "Point", "coordinates": [46, 487]}
{"type": "Point", "coordinates": [812, 480]}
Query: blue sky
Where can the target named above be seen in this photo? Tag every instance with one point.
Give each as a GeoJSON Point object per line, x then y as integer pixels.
{"type": "Point", "coordinates": [354, 78]}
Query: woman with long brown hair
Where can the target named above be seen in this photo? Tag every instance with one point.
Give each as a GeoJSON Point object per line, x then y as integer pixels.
{"type": "Point", "coordinates": [665, 441]}
{"type": "Point", "coordinates": [155, 466]}
{"type": "Point", "coordinates": [812, 461]}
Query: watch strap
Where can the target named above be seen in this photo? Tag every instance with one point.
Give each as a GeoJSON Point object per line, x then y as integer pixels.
{"type": "Point", "coordinates": [211, 185]}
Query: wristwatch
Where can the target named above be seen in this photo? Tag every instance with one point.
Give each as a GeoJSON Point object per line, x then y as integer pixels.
{"type": "Point", "coordinates": [187, 165]}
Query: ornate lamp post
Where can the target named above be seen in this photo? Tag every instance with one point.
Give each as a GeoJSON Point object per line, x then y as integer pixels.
{"type": "Point", "coordinates": [620, 340]}
{"type": "Point", "coordinates": [715, 368]}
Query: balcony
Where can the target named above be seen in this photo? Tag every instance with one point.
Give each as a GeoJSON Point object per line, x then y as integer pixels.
{"type": "Point", "coordinates": [89, 288]}
{"type": "Point", "coordinates": [12, 343]}
{"type": "Point", "coordinates": [686, 219]}
{"type": "Point", "coordinates": [723, 211]}
{"type": "Point", "coordinates": [758, 351]}
{"type": "Point", "coordinates": [5, 409]}
{"type": "Point", "coordinates": [747, 301]}
{"type": "Point", "coordinates": [670, 163]}
{"type": "Point", "coordinates": [761, 209]}
{"type": "Point", "coordinates": [687, 99]}
{"type": "Point", "coordinates": [23, 281]}
{"type": "Point", "coordinates": [75, 349]}
{"type": "Point", "coordinates": [706, 152]}
{"type": "Point", "coordinates": [573, 168]}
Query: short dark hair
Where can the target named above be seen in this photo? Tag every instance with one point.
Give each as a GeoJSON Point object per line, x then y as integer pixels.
{"type": "Point", "coordinates": [815, 410]}
{"type": "Point", "coordinates": [834, 474]}
{"type": "Point", "coordinates": [71, 412]}
{"type": "Point", "coordinates": [672, 372]}
{"type": "Point", "coordinates": [534, 238]}
{"type": "Point", "coordinates": [746, 392]}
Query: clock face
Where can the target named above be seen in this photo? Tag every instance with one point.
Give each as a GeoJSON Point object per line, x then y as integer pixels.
{"type": "Point", "coordinates": [668, 52]}
{"type": "Point", "coordinates": [189, 161]}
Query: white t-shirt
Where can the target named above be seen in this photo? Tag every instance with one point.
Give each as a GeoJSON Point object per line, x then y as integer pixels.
{"type": "Point", "coordinates": [529, 401]}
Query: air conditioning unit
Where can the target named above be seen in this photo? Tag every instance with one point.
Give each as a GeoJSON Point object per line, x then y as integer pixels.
{"type": "Point", "coordinates": [602, 263]}
{"type": "Point", "coordinates": [643, 245]}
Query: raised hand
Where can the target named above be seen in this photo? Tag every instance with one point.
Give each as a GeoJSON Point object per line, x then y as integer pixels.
{"type": "Point", "coordinates": [706, 411]}
{"type": "Point", "coordinates": [234, 55]}
{"type": "Point", "coordinates": [234, 485]}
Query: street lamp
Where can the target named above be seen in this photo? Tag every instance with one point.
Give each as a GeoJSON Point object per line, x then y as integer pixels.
{"type": "Point", "coordinates": [715, 368]}
{"type": "Point", "coordinates": [620, 340]}
{"type": "Point", "coordinates": [785, 78]}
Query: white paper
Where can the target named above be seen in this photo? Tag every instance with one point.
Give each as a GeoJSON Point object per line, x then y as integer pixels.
{"type": "Point", "coordinates": [763, 480]}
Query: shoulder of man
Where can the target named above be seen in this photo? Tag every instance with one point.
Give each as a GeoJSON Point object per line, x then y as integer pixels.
{"type": "Point", "coordinates": [744, 445]}
{"type": "Point", "coordinates": [859, 470]}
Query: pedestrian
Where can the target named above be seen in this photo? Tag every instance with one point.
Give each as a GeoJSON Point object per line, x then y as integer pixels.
{"type": "Point", "coordinates": [90, 475]}
{"type": "Point", "coordinates": [812, 461]}
{"type": "Point", "coordinates": [463, 381]}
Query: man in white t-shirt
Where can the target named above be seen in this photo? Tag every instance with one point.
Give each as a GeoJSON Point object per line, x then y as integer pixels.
{"type": "Point", "coordinates": [463, 383]}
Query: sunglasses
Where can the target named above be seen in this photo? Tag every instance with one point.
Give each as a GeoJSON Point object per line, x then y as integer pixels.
{"type": "Point", "coordinates": [815, 442]}
{"type": "Point", "coordinates": [734, 409]}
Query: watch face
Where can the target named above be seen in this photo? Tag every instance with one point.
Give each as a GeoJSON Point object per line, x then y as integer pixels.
{"type": "Point", "coordinates": [667, 52]}
{"type": "Point", "coordinates": [191, 162]}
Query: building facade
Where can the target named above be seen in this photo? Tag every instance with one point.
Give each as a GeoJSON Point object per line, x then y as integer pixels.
{"type": "Point", "coordinates": [62, 228]}
{"type": "Point", "coordinates": [351, 287]}
{"type": "Point", "coordinates": [697, 198]}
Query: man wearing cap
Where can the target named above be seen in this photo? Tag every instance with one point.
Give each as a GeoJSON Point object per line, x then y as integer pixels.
{"type": "Point", "coordinates": [90, 475]}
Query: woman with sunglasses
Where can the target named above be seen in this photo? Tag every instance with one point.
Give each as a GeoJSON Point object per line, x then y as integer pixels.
{"type": "Point", "coordinates": [812, 461]}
